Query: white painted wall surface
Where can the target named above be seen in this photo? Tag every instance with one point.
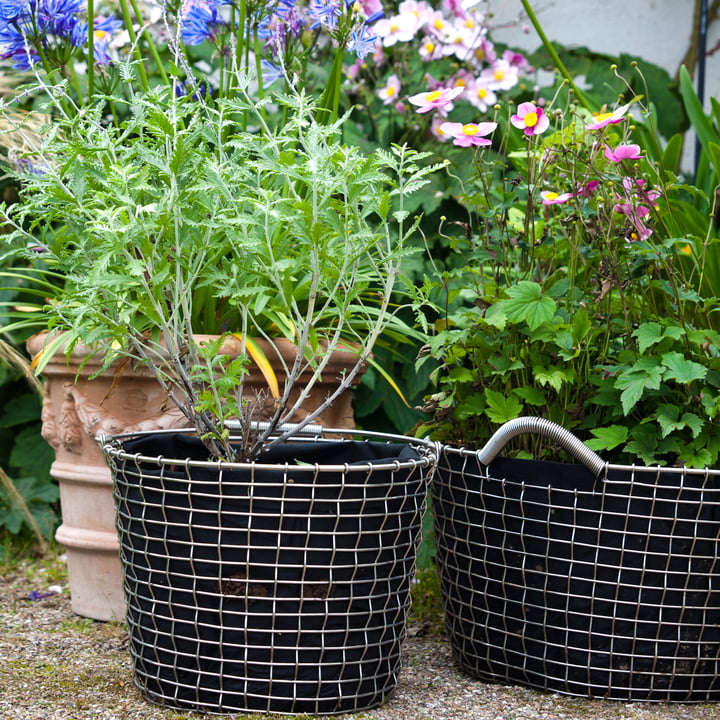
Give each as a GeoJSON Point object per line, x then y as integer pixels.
{"type": "Point", "coordinates": [659, 31]}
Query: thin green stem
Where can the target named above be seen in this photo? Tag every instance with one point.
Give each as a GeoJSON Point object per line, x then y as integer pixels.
{"type": "Point", "coordinates": [91, 49]}
{"type": "Point", "coordinates": [128, 20]}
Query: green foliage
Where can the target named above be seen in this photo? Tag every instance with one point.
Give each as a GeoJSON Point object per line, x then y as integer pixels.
{"type": "Point", "coordinates": [599, 312]}
{"type": "Point", "coordinates": [178, 221]}
{"type": "Point", "coordinates": [28, 495]}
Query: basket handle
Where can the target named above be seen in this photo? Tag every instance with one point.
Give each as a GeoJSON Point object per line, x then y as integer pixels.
{"type": "Point", "coordinates": [540, 426]}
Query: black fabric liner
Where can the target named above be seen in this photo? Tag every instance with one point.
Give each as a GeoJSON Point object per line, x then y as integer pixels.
{"type": "Point", "coordinates": [268, 594]}
{"type": "Point", "coordinates": [612, 591]}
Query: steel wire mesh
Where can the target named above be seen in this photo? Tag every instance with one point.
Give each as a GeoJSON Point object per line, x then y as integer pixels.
{"type": "Point", "coordinates": [603, 587]}
{"type": "Point", "coordinates": [277, 587]}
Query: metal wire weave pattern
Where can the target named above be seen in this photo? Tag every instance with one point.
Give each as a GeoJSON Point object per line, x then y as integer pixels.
{"type": "Point", "coordinates": [278, 589]}
{"type": "Point", "coordinates": [602, 587]}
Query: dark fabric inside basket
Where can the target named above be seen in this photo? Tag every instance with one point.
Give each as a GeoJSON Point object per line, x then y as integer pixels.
{"type": "Point", "coordinates": [603, 587]}
{"type": "Point", "coordinates": [269, 590]}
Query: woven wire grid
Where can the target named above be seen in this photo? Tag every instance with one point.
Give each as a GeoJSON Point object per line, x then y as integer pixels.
{"type": "Point", "coordinates": [275, 588]}
{"type": "Point", "coordinates": [602, 587]}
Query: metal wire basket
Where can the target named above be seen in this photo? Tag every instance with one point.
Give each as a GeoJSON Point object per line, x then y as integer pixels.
{"type": "Point", "coordinates": [593, 580]}
{"type": "Point", "coordinates": [278, 586]}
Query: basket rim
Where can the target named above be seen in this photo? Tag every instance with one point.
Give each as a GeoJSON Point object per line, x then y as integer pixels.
{"type": "Point", "coordinates": [111, 448]}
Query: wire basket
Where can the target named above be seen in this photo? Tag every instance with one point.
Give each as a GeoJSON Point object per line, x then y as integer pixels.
{"type": "Point", "coordinates": [277, 586]}
{"type": "Point", "coordinates": [593, 580]}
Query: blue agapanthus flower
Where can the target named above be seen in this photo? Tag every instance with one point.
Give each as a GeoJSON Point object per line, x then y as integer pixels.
{"type": "Point", "coordinates": [29, 24]}
{"type": "Point", "coordinates": [201, 21]}
{"type": "Point", "coordinates": [325, 13]}
{"type": "Point", "coordinates": [362, 42]}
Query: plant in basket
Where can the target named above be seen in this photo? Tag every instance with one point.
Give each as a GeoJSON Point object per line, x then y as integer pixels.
{"type": "Point", "coordinates": [171, 205]}
{"type": "Point", "coordinates": [584, 286]}
{"type": "Point", "coordinates": [176, 193]}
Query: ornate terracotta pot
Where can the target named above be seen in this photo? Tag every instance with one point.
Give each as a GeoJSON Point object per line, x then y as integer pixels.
{"type": "Point", "coordinates": [79, 404]}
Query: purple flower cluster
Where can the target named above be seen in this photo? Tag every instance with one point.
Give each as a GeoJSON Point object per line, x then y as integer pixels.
{"type": "Point", "coordinates": [31, 27]}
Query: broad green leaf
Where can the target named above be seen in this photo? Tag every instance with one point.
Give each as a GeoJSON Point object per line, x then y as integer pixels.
{"type": "Point", "coordinates": [531, 395]}
{"type": "Point", "coordinates": [555, 377]}
{"type": "Point", "coordinates": [502, 407]}
{"type": "Point", "coordinates": [647, 335]}
{"type": "Point", "coordinates": [646, 374]}
{"type": "Point", "coordinates": [526, 303]}
{"type": "Point", "coordinates": [607, 438]}
{"type": "Point", "coordinates": [495, 316]}
{"type": "Point", "coordinates": [668, 419]}
{"type": "Point", "coordinates": [678, 368]}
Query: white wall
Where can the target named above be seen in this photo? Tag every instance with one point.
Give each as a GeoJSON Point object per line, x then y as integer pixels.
{"type": "Point", "coordinates": [659, 31]}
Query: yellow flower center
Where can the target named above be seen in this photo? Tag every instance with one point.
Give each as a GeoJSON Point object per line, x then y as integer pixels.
{"type": "Point", "coordinates": [429, 47]}
{"type": "Point", "coordinates": [100, 34]}
{"type": "Point", "coordinates": [602, 116]}
{"type": "Point", "coordinates": [434, 95]}
{"type": "Point", "coordinates": [499, 75]}
{"type": "Point", "coordinates": [551, 195]}
{"type": "Point", "coordinates": [531, 119]}
{"type": "Point", "coordinates": [389, 90]}
{"type": "Point", "coordinates": [459, 83]}
{"type": "Point", "coordinates": [438, 23]}
{"type": "Point", "coordinates": [482, 93]}
{"type": "Point", "coordinates": [470, 129]}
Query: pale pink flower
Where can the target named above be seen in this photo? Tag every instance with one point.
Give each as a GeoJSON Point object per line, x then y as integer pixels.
{"type": "Point", "coordinates": [623, 152]}
{"type": "Point", "coordinates": [549, 197]}
{"type": "Point", "coordinates": [430, 49]}
{"type": "Point", "coordinates": [435, 99]}
{"type": "Point", "coordinates": [436, 128]}
{"type": "Point", "coordinates": [480, 95]}
{"type": "Point", "coordinates": [531, 119]}
{"type": "Point", "coordinates": [611, 118]}
{"type": "Point", "coordinates": [501, 75]}
{"type": "Point", "coordinates": [391, 91]}
{"type": "Point", "coordinates": [395, 29]}
{"type": "Point", "coordinates": [469, 134]}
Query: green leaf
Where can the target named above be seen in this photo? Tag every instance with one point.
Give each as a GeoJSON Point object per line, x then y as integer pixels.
{"type": "Point", "coordinates": [647, 335]}
{"type": "Point", "coordinates": [668, 419]}
{"type": "Point", "coordinates": [678, 368]}
{"type": "Point", "coordinates": [531, 395]}
{"type": "Point", "coordinates": [555, 377]}
{"type": "Point", "coordinates": [607, 438]}
{"type": "Point", "coordinates": [495, 316]}
{"type": "Point", "coordinates": [646, 374]}
{"type": "Point", "coordinates": [502, 407]}
{"type": "Point", "coordinates": [527, 304]}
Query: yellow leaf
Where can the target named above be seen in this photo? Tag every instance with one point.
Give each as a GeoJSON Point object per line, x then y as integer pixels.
{"type": "Point", "coordinates": [261, 360]}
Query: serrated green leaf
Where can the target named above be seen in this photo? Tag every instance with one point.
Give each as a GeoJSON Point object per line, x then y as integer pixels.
{"type": "Point", "coordinates": [502, 407]}
{"type": "Point", "coordinates": [678, 368]}
{"type": "Point", "coordinates": [495, 316]}
{"type": "Point", "coordinates": [531, 395]}
{"type": "Point", "coordinates": [526, 303]}
{"type": "Point", "coordinates": [647, 335]}
{"type": "Point", "coordinates": [607, 438]}
{"type": "Point", "coordinates": [646, 374]}
{"type": "Point", "coordinates": [668, 419]}
{"type": "Point", "coordinates": [555, 377]}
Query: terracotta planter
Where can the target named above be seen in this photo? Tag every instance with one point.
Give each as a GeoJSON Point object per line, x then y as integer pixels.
{"type": "Point", "coordinates": [76, 409]}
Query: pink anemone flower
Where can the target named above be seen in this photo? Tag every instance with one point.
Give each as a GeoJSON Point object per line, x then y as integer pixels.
{"type": "Point", "coordinates": [611, 118]}
{"type": "Point", "coordinates": [435, 99]}
{"type": "Point", "coordinates": [549, 197]}
{"type": "Point", "coordinates": [531, 119]}
{"type": "Point", "coordinates": [623, 152]}
{"type": "Point", "coordinates": [469, 134]}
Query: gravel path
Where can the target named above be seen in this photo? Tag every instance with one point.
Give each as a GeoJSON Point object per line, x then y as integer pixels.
{"type": "Point", "coordinates": [57, 666]}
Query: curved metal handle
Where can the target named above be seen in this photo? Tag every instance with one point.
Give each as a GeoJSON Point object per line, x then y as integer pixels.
{"type": "Point", "coordinates": [546, 428]}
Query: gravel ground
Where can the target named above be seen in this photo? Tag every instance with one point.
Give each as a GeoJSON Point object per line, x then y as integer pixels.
{"type": "Point", "coordinates": [55, 665]}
